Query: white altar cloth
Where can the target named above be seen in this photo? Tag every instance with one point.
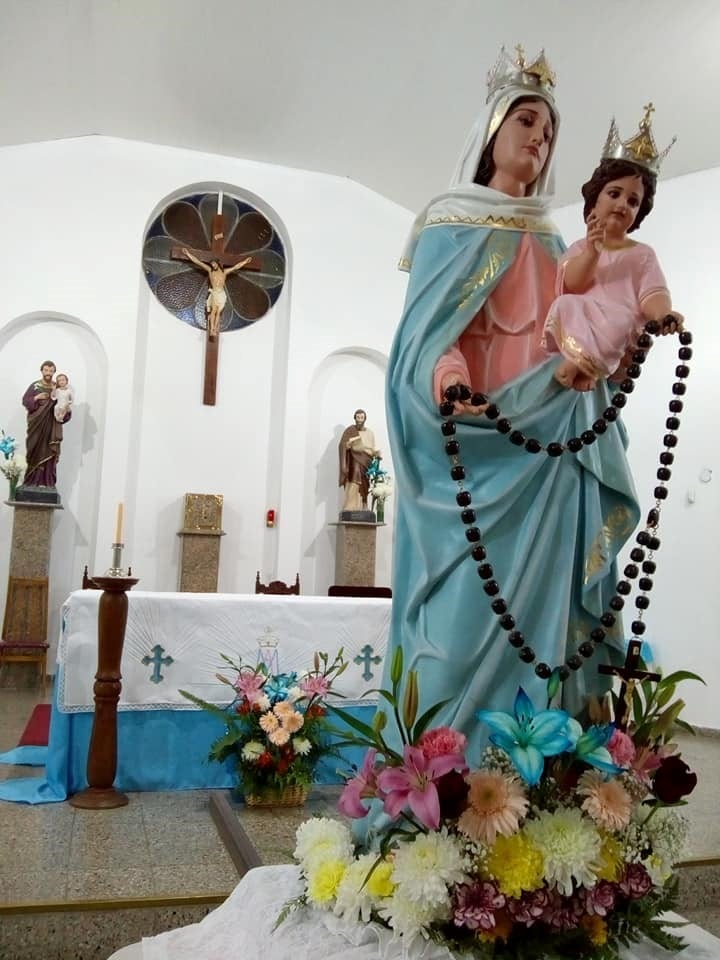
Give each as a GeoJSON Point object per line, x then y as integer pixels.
{"type": "Point", "coordinates": [243, 927]}
{"type": "Point", "coordinates": [173, 641]}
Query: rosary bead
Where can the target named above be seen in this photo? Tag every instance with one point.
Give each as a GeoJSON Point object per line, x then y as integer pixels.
{"type": "Point", "coordinates": [631, 571]}
{"type": "Point", "coordinates": [465, 392]}
{"type": "Point", "coordinates": [637, 555]}
{"type": "Point", "coordinates": [667, 458]}
{"type": "Point", "coordinates": [675, 406]}
{"type": "Point", "coordinates": [478, 400]}
{"type": "Point", "coordinates": [448, 428]}
{"type": "Point", "coordinates": [653, 327]}
{"type": "Point", "coordinates": [586, 649]}
{"type": "Point", "coordinates": [517, 438]}
{"type": "Point", "coordinates": [597, 635]}
{"type": "Point", "coordinates": [623, 587]}
{"type": "Point", "coordinates": [543, 671]}
{"type": "Point", "coordinates": [619, 400]}
{"type": "Point", "coordinates": [672, 423]}
{"type": "Point", "coordinates": [684, 353]}
{"type": "Point", "coordinates": [457, 472]}
{"type": "Point", "coordinates": [639, 356]}
{"type": "Point", "coordinates": [637, 627]}
{"type": "Point", "coordinates": [492, 412]}
{"type": "Point", "coordinates": [642, 603]}
{"type": "Point", "coordinates": [649, 566]}
{"type": "Point", "coordinates": [468, 516]}
{"type": "Point", "coordinates": [610, 414]}
{"type": "Point", "coordinates": [452, 393]}
{"type": "Point", "coordinates": [479, 553]}
{"type": "Point", "coordinates": [473, 535]}
{"type": "Point", "coordinates": [588, 437]}
{"type": "Point", "coordinates": [446, 409]}
{"type": "Point", "coordinates": [574, 662]}
{"type": "Point", "coordinates": [516, 638]}
{"type": "Point", "coordinates": [634, 371]}
{"type": "Point", "coordinates": [679, 388]}
{"type": "Point", "coordinates": [554, 449]}
{"type": "Point", "coordinates": [607, 619]}
{"type": "Point", "coordinates": [653, 518]}
{"type": "Point", "coordinates": [574, 444]}
{"type": "Point", "coordinates": [616, 603]}
{"type": "Point", "coordinates": [485, 571]}
{"type": "Point", "coordinates": [526, 654]}
{"type": "Point", "coordinates": [452, 448]}
{"type": "Point", "coordinates": [503, 425]}
{"type": "Point", "coordinates": [499, 607]}
{"type": "Point", "coordinates": [660, 493]}
{"type": "Point", "coordinates": [663, 473]}
{"type": "Point", "coordinates": [563, 673]}
{"type": "Point", "coordinates": [670, 440]}
{"type": "Point", "coordinates": [600, 426]}
{"type": "Point", "coordinates": [626, 385]}
{"type": "Point", "coordinates": [507, 622]}
{"type": "Point", "coordinates": [491, 588]}
{"type": "Point", "coordinates": [682, 371]}
{"type": "Point", "coordinates": [645, 583]}
{"type": "Point", "coordinates": [644, 341]}
{"type": "Point", "coordinates": [685, 338]}
{"type": "Point", "coordinates": [654, 543]}
{"type": "Point", "coordinates": [533, 446]}
{"type": "Point", "coordinates": [643, 538]}
{"type": "Point", "coordinates": [463, 499]}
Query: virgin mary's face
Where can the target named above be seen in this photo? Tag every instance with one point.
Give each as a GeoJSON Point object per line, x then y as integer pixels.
{"type": "Point", "coordinates": [522, 143]}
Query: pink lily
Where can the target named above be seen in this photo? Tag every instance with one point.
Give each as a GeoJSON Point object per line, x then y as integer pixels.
{"type": "Point", "coordinates": [413, 784]}
{"type": "Point", "coordinates": [250, 685]}
{"type": "Point", "coordinates": [362, 786]}
{"type": "Point", "coordinates": [316, 686]}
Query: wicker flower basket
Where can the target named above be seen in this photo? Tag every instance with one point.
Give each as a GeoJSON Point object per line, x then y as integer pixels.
{"type": "Point", "coordinates": [294, 796]}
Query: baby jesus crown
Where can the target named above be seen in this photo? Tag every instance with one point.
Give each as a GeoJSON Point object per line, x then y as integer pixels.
{"type": "Point", "coordinates": [640, 149]}
{"type": "Point", "coordinates": [517, 72]}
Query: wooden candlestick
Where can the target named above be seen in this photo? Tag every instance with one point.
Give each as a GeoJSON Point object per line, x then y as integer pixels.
{"type": "Point", "coordinates": [102, 753]}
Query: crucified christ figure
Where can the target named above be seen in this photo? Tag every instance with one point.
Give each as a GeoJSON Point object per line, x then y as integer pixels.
{"type": "Point", "coordinates": [217, 297]}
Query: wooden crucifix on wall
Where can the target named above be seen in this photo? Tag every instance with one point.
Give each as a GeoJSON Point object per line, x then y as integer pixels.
{"type": "Point", "coordinates": [218, 264]}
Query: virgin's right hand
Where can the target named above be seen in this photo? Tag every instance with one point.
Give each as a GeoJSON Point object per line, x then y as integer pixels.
{"type": "Point", "coordinates": [459, 406]}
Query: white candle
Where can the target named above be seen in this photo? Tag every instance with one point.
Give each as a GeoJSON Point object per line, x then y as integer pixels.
{"type": "Point", "coordinates": [220, 196]}
{"type": "Point", "coordinates": [119, 524]}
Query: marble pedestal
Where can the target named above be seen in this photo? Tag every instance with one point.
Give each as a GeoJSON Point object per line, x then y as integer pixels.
{"type": "Point", "coordinates": [355, 553]}
{"type": "Point", "coordinates": [199, 560]}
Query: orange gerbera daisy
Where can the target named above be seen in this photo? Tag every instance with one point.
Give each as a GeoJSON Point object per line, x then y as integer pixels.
{"type": "Point", "coordinates": [496, 804]}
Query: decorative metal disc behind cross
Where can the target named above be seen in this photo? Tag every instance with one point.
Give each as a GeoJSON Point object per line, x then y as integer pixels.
{"type": "Point", "coordinates": [228, 232]}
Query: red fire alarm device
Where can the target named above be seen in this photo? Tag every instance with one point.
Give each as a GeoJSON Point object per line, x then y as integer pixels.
{"type": "Point", "coordinates": [270, 518]}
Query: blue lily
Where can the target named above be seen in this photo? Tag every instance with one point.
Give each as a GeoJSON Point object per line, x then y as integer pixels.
{"type": "Point", "coordinates": [529, 736]}
{"type": "Point", "coordinates": [7, 445]}
{"type": "Point", "coordinates": [278, 687]}
{"type": "Point", "coordinates": [590, 746]}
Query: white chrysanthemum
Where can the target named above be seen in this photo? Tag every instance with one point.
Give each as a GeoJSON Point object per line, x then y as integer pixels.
{"type": "Point", "coordinates": [294, 694]}
{"type": "Point", "coordinates": [252, 750]}
{"type": "Point", "coordinates": [301, 745]}
{"type": "Point", "coordinates": [263, 701]}
{"type": "Point", "coordinates": [410, 918]}
{"type": "Point", "coordinates": [426, 867]}
{"type": "Point", "coordinates": [354, 901]}
{"type": "Point", "coordinates": [570, 845]}
{"type": "Point", "coordinates": [322, 839]}
{"type": "Point", "coordinates": [667, 832]}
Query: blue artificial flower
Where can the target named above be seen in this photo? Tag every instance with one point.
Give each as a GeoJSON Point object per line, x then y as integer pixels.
{"type": "Point", "coordinates": [591, 746]}
{"type": "Point", "coordinates": [529, 736]}
{"type": "Point", "coordinates": [7, 445]}
{"type": "Point", "coordinates": [278, 687]}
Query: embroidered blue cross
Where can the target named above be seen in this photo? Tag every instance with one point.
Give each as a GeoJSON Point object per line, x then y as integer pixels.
{"type": "Point", "coordinates": [364, 659]}
{"type": "Point", "coordinates": [158, 660]}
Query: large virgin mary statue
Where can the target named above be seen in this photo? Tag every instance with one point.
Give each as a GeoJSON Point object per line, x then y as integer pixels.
{"type": "Point", "coordinates": [482, 268]}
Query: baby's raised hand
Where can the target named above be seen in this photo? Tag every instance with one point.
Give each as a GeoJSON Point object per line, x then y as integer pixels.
{"type": "Point", "coordinates": [595, 235]}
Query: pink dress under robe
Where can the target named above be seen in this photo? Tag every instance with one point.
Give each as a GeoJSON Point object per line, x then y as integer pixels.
{"type": "Point", "coordinates": [503, 339]}
{"type": "Point", "coordinates": [594, 329]}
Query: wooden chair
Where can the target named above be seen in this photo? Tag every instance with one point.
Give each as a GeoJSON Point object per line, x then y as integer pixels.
{"type": "Point", "coordinates": [338, 590]}
{"type": "Point", "coordinates": [277, 587]}
{"type": "Point", "coordinates": [24, 631]}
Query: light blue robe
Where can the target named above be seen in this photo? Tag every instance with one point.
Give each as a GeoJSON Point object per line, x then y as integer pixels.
{"type": "Point", "coordinates": [552, 527]}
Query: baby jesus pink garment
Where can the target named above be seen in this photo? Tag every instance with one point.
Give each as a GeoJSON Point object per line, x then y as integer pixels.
{"type": "Point", "coordinates": [503, 339]}
{"type": "Point", "coordinates": [594, 329]}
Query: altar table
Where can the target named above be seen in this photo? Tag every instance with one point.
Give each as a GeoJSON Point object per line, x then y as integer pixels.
{"type": "Point", "coordinates": [174, 641]}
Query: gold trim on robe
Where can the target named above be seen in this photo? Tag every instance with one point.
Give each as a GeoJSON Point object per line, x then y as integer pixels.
{"type": "Point", "coordinates": [618, 524]}
{"type": "Point", "coordinates": [526, 224]}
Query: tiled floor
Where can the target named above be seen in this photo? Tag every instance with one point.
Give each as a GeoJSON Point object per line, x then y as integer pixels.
{"type": "Point", "coordinates": [166, 845]}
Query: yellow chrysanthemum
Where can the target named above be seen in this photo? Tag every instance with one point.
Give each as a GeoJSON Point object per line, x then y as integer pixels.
{"type": "Point", "coordinates": [596, 929]}
{"type": "Point", "coordinates": [324, 880]}
{"type": "Point", "coordinates": [380, 883]}
{"type": "Point", "coordinates": [611, 859]}
{"type": "Point", "coordinates": [516, 864]}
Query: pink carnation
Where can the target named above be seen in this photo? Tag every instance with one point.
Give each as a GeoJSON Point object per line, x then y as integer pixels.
{"type": "Point", "coordinates": [442, 741]}
{"type": "Point", "coordinates": [621, 749]}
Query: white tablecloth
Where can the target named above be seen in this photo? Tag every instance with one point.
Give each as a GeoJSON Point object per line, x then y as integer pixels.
{"type": "Point", "coordinates": [242, 927]}
{"type": "Point", "coordinates": [195, 629]}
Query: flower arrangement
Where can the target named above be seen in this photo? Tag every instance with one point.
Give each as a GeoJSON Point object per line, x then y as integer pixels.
{"type": "Point", "coordinates": [14, 465]}
{"type": "Point", "coordinates": [276, 725]}
{"type": "Point", "coordinates": [561, 844]}
{"type": "Point", "coordinates": [381, 487]}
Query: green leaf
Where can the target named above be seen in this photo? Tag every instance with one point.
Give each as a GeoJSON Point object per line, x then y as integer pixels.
{"type": "Point", "coordinates": [396, 668]}
{"type": "Point", "coordinates": [220, 712]}
{"type": "Point", "coordinates": [425, 720]}
{"type": "Point", "coordinates": [681, 675]}
{"type": "Point", "coordinates": [351, 721]}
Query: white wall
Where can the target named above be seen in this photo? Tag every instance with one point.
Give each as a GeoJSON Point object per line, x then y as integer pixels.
{"type": "Point", "coordinates": [74, 215]}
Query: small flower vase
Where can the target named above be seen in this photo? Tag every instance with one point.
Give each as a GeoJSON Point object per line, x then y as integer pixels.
{"type": "Point", "coordinates": [13, 481]}
{"type": "Point", "coordinates": [380, 511]}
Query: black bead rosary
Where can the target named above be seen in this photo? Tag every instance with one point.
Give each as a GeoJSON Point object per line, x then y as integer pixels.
{"type": "Point", "coordinates": [642, 555]}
